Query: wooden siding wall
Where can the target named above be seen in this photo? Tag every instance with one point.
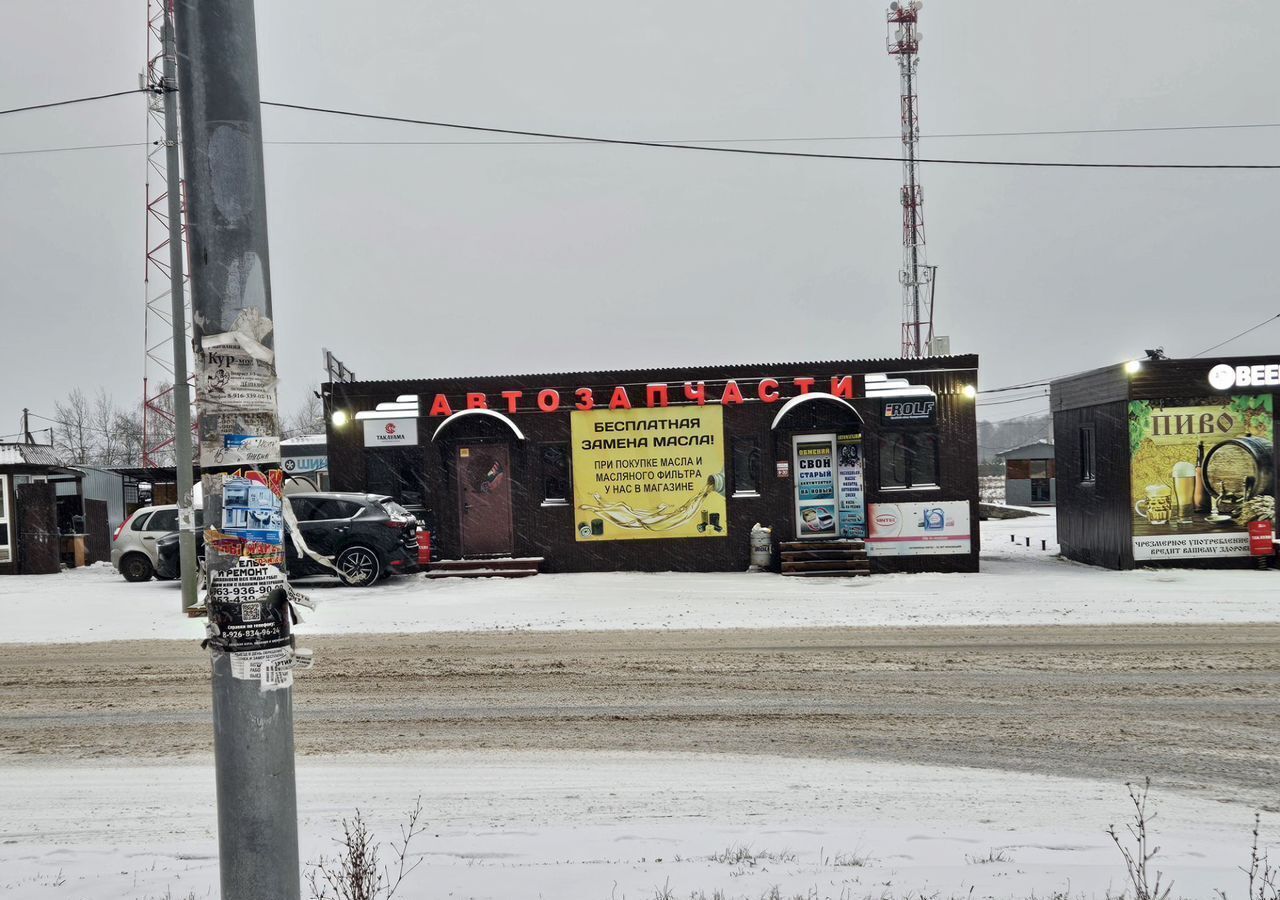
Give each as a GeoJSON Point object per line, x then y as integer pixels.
{"type": "Point", "coordinates": [1093, 518]}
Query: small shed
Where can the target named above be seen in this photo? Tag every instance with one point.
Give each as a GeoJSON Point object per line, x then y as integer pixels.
{"type": "Point", "coordinates": [107, 486]}
{"type": "Point", "coordinates": [1030, 476]}
{"type": "Point", "coordinates": [39, 505]}
{"type": "Point", "coordinates": [1168, 462]}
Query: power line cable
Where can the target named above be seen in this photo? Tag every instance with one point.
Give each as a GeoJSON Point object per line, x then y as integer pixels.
{"type": "Point", "coordinates": [78, 427]}
{"type": "Point", "coordinates": [1266, 321]}
{"type": "Point", "coordinates": [35, 150]}
{"type": "Point", "coordinates": [790, 140]}
{"type": "Point", "coordinates": [1016, 387]}
{"type": "Point", "coordinates": [54, 103]}
{"type": "Point", "coordinates": [1015, 400]}
{"type": "Point", "coordinates": [769, 140]}
{"type": "Point", "coordinates": [588, 139]}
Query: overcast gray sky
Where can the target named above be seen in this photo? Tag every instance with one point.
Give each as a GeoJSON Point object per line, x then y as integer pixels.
{"type": "Point", "coordinates": [463, 259]}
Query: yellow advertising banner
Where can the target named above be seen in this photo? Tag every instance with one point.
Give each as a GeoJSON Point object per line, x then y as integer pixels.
{"type": "Point", "coordinates": [649, 473]}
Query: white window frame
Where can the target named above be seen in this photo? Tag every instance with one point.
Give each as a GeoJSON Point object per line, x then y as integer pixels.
{"type": "Point", "coordinates": [6, 519]}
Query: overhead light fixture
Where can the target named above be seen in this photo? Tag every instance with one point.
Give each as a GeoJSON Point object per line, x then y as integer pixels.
{"type": "Point", "coordinates": [969, 391]}
{"type": "Point", "coordinates": [339, 418]}
{"type": "Point", "coordinates": [1133, 367]}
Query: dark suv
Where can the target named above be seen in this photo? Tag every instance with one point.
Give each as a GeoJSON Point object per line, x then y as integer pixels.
{"type": "Point", "coordinates": [368, 536]}
{"type": "Point", "coordinates": [365, 536]}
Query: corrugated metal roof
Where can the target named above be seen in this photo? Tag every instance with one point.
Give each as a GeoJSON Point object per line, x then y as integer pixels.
{"type": "Point", "coordinates": [1043, 442]}
{"type": "Point", "coordinates": [890, 364]}
{"type": "Point", "coordinates": [28, 455]}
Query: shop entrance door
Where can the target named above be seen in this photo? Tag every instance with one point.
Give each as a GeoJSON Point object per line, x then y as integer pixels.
{"type": "Point", "coordinates": [814, 462]}
{"type": "Point", "coordinates": [484, 499]}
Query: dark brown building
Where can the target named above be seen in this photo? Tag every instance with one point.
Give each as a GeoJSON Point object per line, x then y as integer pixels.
{"type": "Point", "coordinates": [1167, 461]}
{"type": "Point", "coordinates": [669, 469]}
{"type": "Point", "coordinates": [43, 520]}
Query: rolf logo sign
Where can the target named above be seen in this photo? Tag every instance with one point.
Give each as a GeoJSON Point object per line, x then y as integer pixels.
{"type": "Point", "coordinates": [1223, 377]}
{"type": "Point", "coordinates": [915, 409]}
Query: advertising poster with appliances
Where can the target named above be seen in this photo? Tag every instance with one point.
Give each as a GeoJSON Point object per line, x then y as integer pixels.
{"type": "Point", "coordinates": [1201, 472]}
{"type": "Point", "coordinates": [648, 473]}
{"type": "Point", "coordinates": [391, 432]}
{"type": "Point", "coordinates": [815, 487]}
{"type": "Point", "coordinates": [849, 487]}
{"type": "Point", "coordinates": [918, 529]}
{"type": "Point", "coordinates": [250, 524]}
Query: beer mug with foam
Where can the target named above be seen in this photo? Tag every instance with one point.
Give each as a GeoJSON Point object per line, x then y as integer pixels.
{"type": "Point", "coordinates": [1156, 506]}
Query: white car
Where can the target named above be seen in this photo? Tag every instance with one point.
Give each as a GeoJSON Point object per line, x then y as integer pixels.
{"type": "Point", "coordinates": [133, 549]}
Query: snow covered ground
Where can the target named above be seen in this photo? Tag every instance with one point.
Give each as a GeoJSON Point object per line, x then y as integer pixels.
{"type": "Point", "coordinates": [1018, 585]}
{"type": "Point", "coordinates": [609, 826]}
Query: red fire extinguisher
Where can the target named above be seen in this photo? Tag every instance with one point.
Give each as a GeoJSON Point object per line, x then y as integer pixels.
{"type": "Point", "coordinates": [424, 546]}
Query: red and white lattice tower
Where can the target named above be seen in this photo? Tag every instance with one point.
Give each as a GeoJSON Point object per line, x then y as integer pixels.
{"type": "Point", "coordinates": [916, 276]}
{"type": "Point", "coordinates": [157, 375]}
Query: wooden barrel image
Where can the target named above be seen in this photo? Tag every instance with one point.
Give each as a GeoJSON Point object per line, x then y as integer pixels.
{"type": "Point", "coordinates": [1240, 468]}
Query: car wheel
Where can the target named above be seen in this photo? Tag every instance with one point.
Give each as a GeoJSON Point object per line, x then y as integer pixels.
{"type": "Point", "coordinates": [359, 565]}
{"type": "Point", "coordinates": [136, 567]}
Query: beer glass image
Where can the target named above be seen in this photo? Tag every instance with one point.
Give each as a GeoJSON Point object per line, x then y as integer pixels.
{"type": "Point", "coordinates": [1157, 505]}
{"type": "Point", "coordinates": [1184, 488]}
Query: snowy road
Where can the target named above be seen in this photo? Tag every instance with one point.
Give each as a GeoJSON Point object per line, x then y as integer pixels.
{"type": "Point", "coordinates": [1195, 705]}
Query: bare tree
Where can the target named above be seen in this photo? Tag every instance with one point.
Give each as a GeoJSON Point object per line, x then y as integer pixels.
{"type": "Point", "coordinates": [110, 445]}
{"type": "Point", "coordinates": [307, 418]}
{"type": "Point", "coordinates": [128, 429]}
{"type": "Point", "coordinates": [73, 434]}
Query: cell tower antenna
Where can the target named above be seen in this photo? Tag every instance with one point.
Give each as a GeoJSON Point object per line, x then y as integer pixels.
{"type": "Point", "coordinates": [158, 418]}
{"type": "Point", "coordinates": [916, 275]}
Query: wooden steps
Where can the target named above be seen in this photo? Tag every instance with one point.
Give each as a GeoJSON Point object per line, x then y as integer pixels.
{"type": "Point", "coordinates": [840, 558]}
{"type": "Point", "coordinates": [498, 567]}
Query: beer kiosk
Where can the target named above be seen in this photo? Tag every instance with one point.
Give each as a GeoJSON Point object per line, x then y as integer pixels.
{"type": "Point", "coordinates": [854, 465]}
{"type": "Point", "coordinates": [1167, 462]}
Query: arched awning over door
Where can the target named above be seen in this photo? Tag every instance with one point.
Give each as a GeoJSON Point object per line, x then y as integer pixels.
{"type": "Point", "coordinates": [465, 414]}
{"type": "Point", "coordinates": [814, 397]}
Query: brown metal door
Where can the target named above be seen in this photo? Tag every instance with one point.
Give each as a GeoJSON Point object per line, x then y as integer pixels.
{"type": "Point", "coordinates": [38, 539]}
{"type": "Point", "coordinates": [484, 499]}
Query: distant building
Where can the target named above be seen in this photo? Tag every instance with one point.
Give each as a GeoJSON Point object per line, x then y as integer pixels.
{"type": "Point", "coordinates": [45, 518]}
{"type": "Point", "coordinates": [1030, 475]}
{"type": "Point", "coordinates": [305, 459]}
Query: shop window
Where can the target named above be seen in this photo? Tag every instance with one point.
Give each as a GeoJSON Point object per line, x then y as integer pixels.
{"type": "Point", "coordinates": [908, 459]}
{"type": "Point", "coordinates": [6, 548]}
{"type": "Point", "coordinates": [746, 467]}
{"type": "Point", "coordinates": [1088, 455]}
{"type": "Point", "coordinates": [395, 473]}
{"type": "Point", "coordinates": [553, 460]}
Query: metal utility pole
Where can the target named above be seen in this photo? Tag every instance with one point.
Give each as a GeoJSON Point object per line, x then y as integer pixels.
{"type": "Point", "coordinates": [181, 394]}
{"type": "Point", "coordinates": [916, 274]}
{"type": "Point", "coordinates": [159, 425]}
{"type": "Point", "coordinates": [250, 620]}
